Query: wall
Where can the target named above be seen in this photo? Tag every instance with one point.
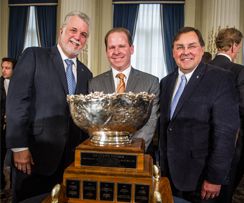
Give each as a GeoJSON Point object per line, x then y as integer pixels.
{"type": "Point", "coordinates": [4, 28]}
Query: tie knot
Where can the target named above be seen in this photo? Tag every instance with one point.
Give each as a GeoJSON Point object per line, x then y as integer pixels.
{"type": "Point", "coordinates": [183, 78]}
{"type": "Point", "coordinates": [120, 76]}
{"type": "Point", "coordinates": [69, 62]}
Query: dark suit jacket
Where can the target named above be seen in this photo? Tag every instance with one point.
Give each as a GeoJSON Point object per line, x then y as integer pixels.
{"type": "Point", "coordinates": [2, 101]}
{"type": "Point", "coordinates": [138, 81]}
{"type": "Point", "coordinates": [238, 71]}
{"type": "Point", "coordinates": [198, 142]}
{"type": "Point", "coordinates": [37, 111]}
{"type": "Point", "coordinates": [2, 129]}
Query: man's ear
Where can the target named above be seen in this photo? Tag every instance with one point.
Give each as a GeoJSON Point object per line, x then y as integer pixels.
{"type": "Point", "coordinates": [61, 30]}
{"type": "Point", "coordinates": [233, 47]}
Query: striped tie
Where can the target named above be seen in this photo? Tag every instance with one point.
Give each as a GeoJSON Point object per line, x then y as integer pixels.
{"type": "Point", "coordinates": [121, 85]}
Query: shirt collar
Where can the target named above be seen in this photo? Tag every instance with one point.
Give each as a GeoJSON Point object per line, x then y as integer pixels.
{"type": "Point", "coordinates": [126, 72]}
{"type": "Point", "coordinates": [188, 75]}
{"type": "Point", "coordinates": [222, 54]}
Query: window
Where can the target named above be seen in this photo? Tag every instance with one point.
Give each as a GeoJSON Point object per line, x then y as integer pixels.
{"type": "Point", "coordinates": [149, 42]}
{"type": "Point", "coordinates": [31, 37]}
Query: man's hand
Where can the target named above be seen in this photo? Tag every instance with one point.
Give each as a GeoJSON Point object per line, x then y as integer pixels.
{"type": "Point", "coordinates": [23, 161]}
{"type": "Point", "coordinates": [209, 190]}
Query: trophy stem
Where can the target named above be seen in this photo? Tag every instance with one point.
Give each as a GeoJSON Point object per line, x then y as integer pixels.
{"type": "Point", "coordinates": [102, 138]}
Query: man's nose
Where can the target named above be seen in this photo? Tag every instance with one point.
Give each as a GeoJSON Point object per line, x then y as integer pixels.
{"type": "Point", "coordinates": [116, 50]}
{"type": "Point", "coordinates": [186, 50]}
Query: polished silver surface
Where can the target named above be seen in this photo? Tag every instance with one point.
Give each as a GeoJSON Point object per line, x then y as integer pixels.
{"type": "Point", "coordinates": [110, 119]}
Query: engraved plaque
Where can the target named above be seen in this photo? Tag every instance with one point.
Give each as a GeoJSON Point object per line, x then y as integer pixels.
{"type": "Point", "coordinates": [89, 190]}
{"type": "Point", "coordinates": [107, 191]}
{"type": "Point", "coordinates": [73, 188]}
{"type": "Point", "coordinates": [124, 192]}
{"type": "Point", "coordinates": [108, 160]}
{"type": "Point", "coordinates": [142, 193]}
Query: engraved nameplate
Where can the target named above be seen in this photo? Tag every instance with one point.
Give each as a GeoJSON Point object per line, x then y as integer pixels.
{"type": "Point", "coordinates": [73, 188]}
{"type": "Point", "coordinates": [124, 192]}
{"type": "Point", "coordinates": [90, 190]}
{"type": "Point", "coordinates": [108, 160]}
{"type": "Point", "coordinates": [142, 193]}
{"type": "Point", "coordinates": [107, 191]}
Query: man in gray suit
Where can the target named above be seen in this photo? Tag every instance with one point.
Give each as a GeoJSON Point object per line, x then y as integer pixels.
{"type": "Point", "coordinates": [119, 49]}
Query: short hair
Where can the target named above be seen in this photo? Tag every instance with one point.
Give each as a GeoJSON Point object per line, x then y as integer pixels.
{"type": "Point", "coordinates": [79, 14]}
{"type": "Point", "coordinates": [118, 29]}
{"type": "Point", "coordinates": [227, 37]}
{"type": "Point", "coordinates": [186, 30]}
{"type": "Point", "coordinates": [12, 60]}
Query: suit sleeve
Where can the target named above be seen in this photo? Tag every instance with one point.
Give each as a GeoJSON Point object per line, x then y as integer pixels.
{"type": "Point", "coordinates": [240, 86]}
{"type": "Point", "coordinates": [225, 123]}
{"type": "Point", "coordinates": [19, 101]}
{"type": "Point", "coordinates": [148, 130]}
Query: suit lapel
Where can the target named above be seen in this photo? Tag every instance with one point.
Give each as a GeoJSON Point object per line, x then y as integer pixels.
{"type": "Point", "coordinates": [59, 66]}
{"type": "Point", "coordinates": [169, 92]}
{"type": "Point", "coordinates": [132, 80]}
{"type": "Point", "coordinates": [81, 77]}
{"type": "Point", "coordinates": [109, 82]}
{"type": "Point", "coordinates": [190, 87]}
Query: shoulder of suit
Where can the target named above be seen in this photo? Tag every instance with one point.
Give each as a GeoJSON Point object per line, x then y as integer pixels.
{"type": "Point", "coordinates": [239, 66]}
{"type": "Point", "coordinates": [170, 75]}
{"type": "Point", "coordinates": [103, 75]}
{"type": "Point", "coordinates": [39, 50]}
{"type": "Point", "coordinates": [145, 75]}
{"type": "Point", "coordinates": [217, 72]}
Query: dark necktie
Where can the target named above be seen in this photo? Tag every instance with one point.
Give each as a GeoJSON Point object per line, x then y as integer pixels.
{"type": "Point", "coordinates": [121, 85]}
{"type": "Point", "coordinates": [70, 76]}
{"type": "Point", "coordinates": [177, 95]}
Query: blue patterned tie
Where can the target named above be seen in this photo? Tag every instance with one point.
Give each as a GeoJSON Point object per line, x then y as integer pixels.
{"type": "Point", "coordinates": [70, 76]}
{"type": "Point", "coordinates": [177, 95]}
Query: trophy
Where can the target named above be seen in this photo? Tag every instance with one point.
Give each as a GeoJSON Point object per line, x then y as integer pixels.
{"type": "Point", "coordinates": [111, 166]}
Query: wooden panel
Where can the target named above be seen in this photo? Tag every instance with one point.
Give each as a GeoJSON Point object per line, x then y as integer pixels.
{"type": "Point", "coordinates": [136, 148]}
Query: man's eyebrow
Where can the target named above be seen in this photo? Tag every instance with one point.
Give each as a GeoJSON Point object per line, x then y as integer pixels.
{"type": "Point", "coordinates": [180, 44]}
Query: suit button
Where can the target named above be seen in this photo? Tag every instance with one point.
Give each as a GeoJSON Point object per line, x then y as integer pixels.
{"type": "Point", "coordinates": [170, 129]}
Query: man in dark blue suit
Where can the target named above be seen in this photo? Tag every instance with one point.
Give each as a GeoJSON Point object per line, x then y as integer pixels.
{"type": "Point", "coordinates": [197, 137]}
{"type": "Point", "coordinates": [7, 65]}
{"type": "Point", "coordinates": [40, 131]}
{"type": "Point", "coordinates": [228, 43]}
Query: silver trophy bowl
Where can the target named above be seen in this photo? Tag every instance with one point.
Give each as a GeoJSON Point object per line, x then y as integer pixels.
{"type": "Point", "coordinates": [110, 119]}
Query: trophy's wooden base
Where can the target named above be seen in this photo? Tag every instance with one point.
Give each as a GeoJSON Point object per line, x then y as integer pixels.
{"type": "Point", "coordinates": [113, 174]}
{"type": "Point", "coordinates": [110, 174]}
{"type": "Point", "coordinates": [108, 185]}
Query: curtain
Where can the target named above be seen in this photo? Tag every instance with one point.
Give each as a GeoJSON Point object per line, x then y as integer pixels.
{"type": "Point", "coordinates": [125, 15]}
{"type": "Point", "coordinates": [172, 16]}
{"type": "Point", "coordinates": [46, 18]}
{"type": "Point", "coordinates": [148, 42]}
{"type": "Point", "coordinates": [17, 29]}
